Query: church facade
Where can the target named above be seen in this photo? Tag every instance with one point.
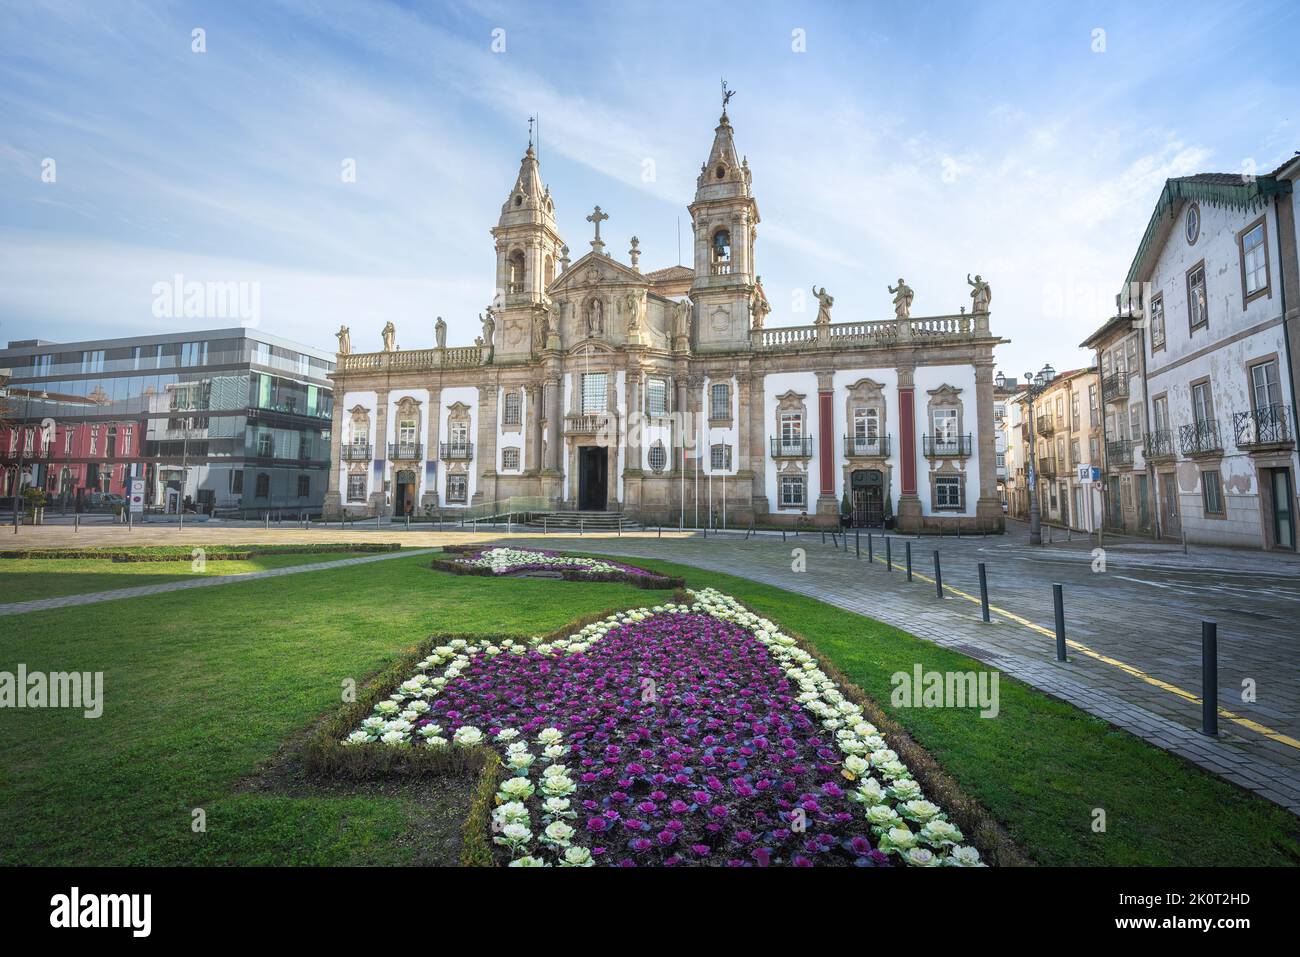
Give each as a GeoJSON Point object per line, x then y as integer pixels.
{"type": "Point", "coordinates": [667, 396]}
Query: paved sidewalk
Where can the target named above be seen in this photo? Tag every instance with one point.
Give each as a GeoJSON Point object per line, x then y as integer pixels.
{"type": "Point", "coordinates": [93, 598]}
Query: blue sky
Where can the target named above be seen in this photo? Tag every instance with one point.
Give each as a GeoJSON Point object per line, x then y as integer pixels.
{"type": "Point", "coordinates": [923, 140]}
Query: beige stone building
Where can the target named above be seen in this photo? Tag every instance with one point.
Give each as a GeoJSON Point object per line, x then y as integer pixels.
{"type": "Point", "coordinates": [668, 395]}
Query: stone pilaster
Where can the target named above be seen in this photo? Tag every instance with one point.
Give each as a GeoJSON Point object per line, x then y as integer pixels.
{"type": "Point", "coordinates": [429, 492]}
{"type": "Point", "coordinates": [379, 464]}
{"type": "Point", "coordinates": [485, 453]}
{"type": "Point", "coordinates": [909, 503]}
{"type": "Point", "coordinates": [826, 501]}
{"type": "Point", "coordinates": [333, 504]}
{"type": "Point", "coordinates": [988, 508]}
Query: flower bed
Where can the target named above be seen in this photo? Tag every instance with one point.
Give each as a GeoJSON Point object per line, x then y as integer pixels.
{"type": "Point", "coordinates": [682, 734]}
{"type": "Point", "coordinates": [524, 561]}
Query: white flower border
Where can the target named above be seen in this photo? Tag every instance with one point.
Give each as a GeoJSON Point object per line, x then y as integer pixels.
{"type": "Point", "coordinates": [503, 560]}
{"type": "Point", "coordinates": [903, 821]}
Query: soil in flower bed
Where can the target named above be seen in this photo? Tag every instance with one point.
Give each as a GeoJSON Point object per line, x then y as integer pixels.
{"type": "Point", "coordinates": [541, 563]}
{"type": "Point", "coordinates": [688, 746]}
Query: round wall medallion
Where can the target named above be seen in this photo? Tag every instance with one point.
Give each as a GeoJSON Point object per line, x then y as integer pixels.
{"type": "Point", "coordinates": [1192, 224]}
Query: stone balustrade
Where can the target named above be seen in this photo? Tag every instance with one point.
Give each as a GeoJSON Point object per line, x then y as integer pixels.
{"type": "Point", "coordinates": [853, 335]}
{"type": "Point", "coordinates": [413, 360]}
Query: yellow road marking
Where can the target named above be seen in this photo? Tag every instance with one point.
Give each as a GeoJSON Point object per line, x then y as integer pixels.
{"type": "Point", "coordinates": [1115, 663]}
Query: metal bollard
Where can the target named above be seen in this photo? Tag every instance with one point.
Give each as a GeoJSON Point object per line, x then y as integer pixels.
{"type": "Point", "coordinates": [783, 534]}
{"type": "Point", "coordinates": [1058, 601]}
{"type": "Point", "coordinates": [871, 548]}
{"type": "Point", "coordinates": [376, 521]}
{"type": "Point", "coordinates": [938, 576]}
{"type": "Point", "coordinates": [984, 594]}
{"type": "Point", "coordinates": [580, 521]}
{"type": "Point", "coordinates": [823, 536]}
{"type": "Point", "coordinates": [661, 531]}
{"type": "Point", "coordinates": [1209, 678]}
{"type": "Point", "coordinates": [889, 555]}
{"type": "Point", "coordinates": [857, 543]}
{"type": "Point", "coordinates": [909, 560]}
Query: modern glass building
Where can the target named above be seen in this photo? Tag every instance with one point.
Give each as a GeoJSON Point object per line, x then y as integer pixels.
{"type": "Point", "coordinates": [228, 419]}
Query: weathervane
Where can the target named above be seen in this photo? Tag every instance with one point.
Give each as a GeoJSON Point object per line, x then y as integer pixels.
{"type": "Point", "coordinates": [726, 96]}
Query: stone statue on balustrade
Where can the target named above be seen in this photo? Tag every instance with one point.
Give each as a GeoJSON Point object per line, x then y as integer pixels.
{"type": "Point", "coordinates": [344, 336]}
{"type": "Point", "coordinates": [489, 327]}
{"type": "Point", "coordinates": [824, 303]}
{"type": "Point", "coordinates": [980, 293]}
{"type": "Point", "coordinates": [390, 337]}
{"type": "Point", "coordinates": [440, 333]}
{"type": "Point", "coordinates": [759, 307]}
{"type": "Point", "coordinates": [903, 296]}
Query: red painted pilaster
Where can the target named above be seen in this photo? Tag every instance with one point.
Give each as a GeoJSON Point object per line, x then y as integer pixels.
{"type": "Point", "coordinates": [907, 439]}
{"type": "Point", "coordinates": [826, 441]}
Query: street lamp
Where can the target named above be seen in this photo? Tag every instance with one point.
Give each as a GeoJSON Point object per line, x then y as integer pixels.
{"type": "Point", "coordinates": [1035, 385]}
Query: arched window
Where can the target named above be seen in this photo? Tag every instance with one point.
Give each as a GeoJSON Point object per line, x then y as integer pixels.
{"type": "Point", "coordinates": [110, 443]}
{"type": "Point", "coordinates": [516, 277]}
{"type": "Point", "coordinates": [721, 255]}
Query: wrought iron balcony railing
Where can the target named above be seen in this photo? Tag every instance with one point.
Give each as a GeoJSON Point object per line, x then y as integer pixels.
{"type": "Point", "coordinates": [353, 452]}
{"type": "Point", "coordinates": [456, 450]}
{"type": "Point", "coordinates": [1045, 425]}
{"type": "Point", "coordinates": [405, 450]}
{"type": "Point", "coordinates": [866, 445]}
{"type": "Point", "coordinates": [1269, 427]}
{"type": "Point", "coordinates": [1114, 386]}
{"type": "Point", "coordinates": [1159, 445]}
{"type": "Point", "coordinates": [1201, 438]}
{"type": "Point", "coordinates": [792, 448]}
{"type": "Point", "coordinates": [1119, 452]}
{"type": "Point", "coordinates": [946, 446]}
{"type": "Point", "coordinates": [1047, 468]}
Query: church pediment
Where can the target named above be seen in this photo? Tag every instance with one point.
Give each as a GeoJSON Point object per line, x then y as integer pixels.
{"type": "Point", "coordinates": [591, 346]}
{"type": "Point", "coordinates": [593, 270]}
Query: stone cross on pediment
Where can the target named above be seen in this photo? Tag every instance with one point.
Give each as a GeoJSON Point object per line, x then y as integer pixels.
{"type": "Point", "coordinates": [597, 217]}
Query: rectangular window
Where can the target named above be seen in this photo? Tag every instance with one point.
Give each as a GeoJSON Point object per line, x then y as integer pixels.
{"type": "Point", "coordinates": [1265, 389]}
{"type": "Point", "coordinates": [1254, 261]}
{"type": "Point", "coordinates": [792, 491]}
{"type": "Point", "coordinates": [510, 459]}
{"type": "Point", "coordinates": [94, 440]}
{"type": "Point", "coordinates": [1212, 492]}
{"type": "Point", "coordinates": [1075, 421]}
{"type": "Point", "coordinates": [1094, 450]}
{"type": "Point", "coordinates": [459, 434]}
{"type": "Point", "coordinates": [866, 424]}
{"type": "Point", "coordinates": [67, 442]}
{"type": "Point", "coordinates": [720, 458]}
{"type": "Point", "coordinates": [1002, 460]}
{"type": "Point", "coordinates": [945, 425]}
{"type": "Point", "coordinates": [656, 397]}
{"type": "Point", "coordinates": [792, 428]}
{"type": "Point", "coordinates": [237, 482]}
{"type": "Point", "coordinates": [1198, 313]}
{"type": "Point", "coordinates": [41, 364]}
{"type": "Point", "coordinates": [1202, 404]}
{"type": "Point", "coordinates": [1157, 323]}
{"type": "Point", "coordinates": [595, 392]}
{"type": "Point", "coordinates": [304, 486]}
{"type": "Point", "coordinates": [263, 488]}
{"type": "Point", "coordinates": [1074, 452]}
{"type": "Point", "coordinates": [1135, 422]}
{"type": "Point", "coordinates": [456, 489]}
{"type": "Point", "coordinates": [720, 401]}
{"type": "Point", "coordinates": [947, 492]}
{"type": "Point", "coordinates": [510, 410]}
{"type": "Point", "coordinates": [194, 353]}
{"type": "Point", "coordinates": [92, 361]}
{"type": "Point", "coordinates": [357, 487]}
{"type": "Point", "coordinates": [406, 430]}
{"type": "Point", "coordinates": [265, 444]}
{"type": "Point", "coordinates": [1093, 408]}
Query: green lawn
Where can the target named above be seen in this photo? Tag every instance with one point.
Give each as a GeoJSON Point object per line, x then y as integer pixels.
{"type": "Point", "coordinates": [202, 687]}
{"type": "Point", "coordinates": [29, 579]}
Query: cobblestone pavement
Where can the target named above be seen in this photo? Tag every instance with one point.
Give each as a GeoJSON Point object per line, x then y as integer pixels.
{"type": "Point", "coordinates": [1134, 628]}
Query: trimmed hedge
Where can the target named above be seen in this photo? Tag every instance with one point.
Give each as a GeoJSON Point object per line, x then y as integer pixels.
{"type": "Point", "coordinates": [215, 553]}
{"type": "Point", "coordinates": [476, 847]}
{"type": "Point", "coordinates": [644, 580]}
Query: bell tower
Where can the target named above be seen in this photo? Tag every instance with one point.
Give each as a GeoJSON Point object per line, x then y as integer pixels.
{"type": "Point", "coordinates": [724, 216]}
{"type": "Point", "coordinates": [529, 253]}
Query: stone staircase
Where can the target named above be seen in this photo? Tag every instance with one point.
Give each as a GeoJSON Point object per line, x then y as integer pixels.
{"type": "Point", "coordinates": [581, 521]}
